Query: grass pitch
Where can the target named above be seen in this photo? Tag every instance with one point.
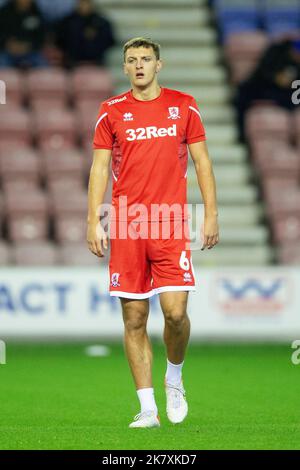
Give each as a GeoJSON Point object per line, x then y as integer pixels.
{"type": "Point", "coordinates": [53, 396]}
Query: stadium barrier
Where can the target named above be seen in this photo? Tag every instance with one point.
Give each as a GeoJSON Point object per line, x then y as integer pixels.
{"type": "Point", "coordinates": [229, 304]}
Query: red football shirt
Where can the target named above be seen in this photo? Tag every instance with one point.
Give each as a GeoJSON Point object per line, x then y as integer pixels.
{"type": "Point", "coordinates": [149, 152]}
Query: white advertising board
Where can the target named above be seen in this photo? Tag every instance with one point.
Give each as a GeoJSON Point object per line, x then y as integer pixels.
{"type": "Point", "coordinates": [230, 303]}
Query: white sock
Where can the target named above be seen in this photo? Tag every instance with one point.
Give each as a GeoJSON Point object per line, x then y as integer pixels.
{"type": "Point", "coordinates": [173, 374]}
{"type": "Point", "coordinates": [147, 400]}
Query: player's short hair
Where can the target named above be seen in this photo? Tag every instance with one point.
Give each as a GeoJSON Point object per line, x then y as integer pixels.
{"type": "Point", "coordinates": [142, 42]}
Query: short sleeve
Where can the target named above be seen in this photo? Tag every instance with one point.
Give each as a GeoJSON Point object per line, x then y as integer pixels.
{"type": "Point", "coordinates": [195, 131]}
{"type": "Point", "coordinates": [103, 138]}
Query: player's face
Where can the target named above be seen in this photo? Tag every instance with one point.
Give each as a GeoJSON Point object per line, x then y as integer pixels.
{"type": "Point", "coordinates": [141, 66]}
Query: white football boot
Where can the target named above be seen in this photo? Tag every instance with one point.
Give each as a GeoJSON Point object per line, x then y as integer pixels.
{"type": "Point", "coordinates": [146, 419]}
{"type": "Point", "coordinates": [177, 407]}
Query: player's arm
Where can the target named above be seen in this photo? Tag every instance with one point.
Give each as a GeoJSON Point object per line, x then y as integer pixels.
{"type": "Point", "coordinates": [207, 185]}
{"type": "Point", "coordinates": [98, 181]}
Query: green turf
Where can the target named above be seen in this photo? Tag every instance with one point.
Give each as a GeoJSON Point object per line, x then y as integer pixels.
{"type": "Point", "coordinates": [240, 397]}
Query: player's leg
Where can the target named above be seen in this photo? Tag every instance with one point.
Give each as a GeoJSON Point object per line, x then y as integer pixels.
{"type": "Point", "coordinates": [136, 341]}
{"type": "Point", "coordinates": [173, 277]}
{"type": "Point", "coordinates": [139, 354]}
{"type": "Point", "coordinates": [177, 328]}
{"type": "Point", "coordinates": [176, 337]}
{"type": "Point", "coordinates": [131, 281]}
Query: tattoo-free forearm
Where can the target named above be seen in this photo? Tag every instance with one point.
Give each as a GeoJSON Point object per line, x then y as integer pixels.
{"type": "Point", "coordinates": [207, 185]}
{"type": "Point", "coordinates": [98, 182]}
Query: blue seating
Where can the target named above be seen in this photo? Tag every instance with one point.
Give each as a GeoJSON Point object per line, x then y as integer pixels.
{"type": "Point", "coordinates": [237, 15]}
{"type": "Point", "coordinates": [275, 16]}
{"type": "Point", "coordinates": [281, 16]}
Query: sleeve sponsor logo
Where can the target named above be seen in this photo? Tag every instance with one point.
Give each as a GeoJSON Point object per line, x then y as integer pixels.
{"type": "Point", "coordinates": [117, 100]}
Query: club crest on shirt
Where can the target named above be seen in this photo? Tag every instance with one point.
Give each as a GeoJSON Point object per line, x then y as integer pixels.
{"type": "Point", "coordinates": [173, 112]}
{"type": "Point", "coordinates": [115, 280]}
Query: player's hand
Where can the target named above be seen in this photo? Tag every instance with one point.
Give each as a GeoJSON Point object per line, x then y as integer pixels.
{"type": "Point", "coordinates": [97, 239]}
{"type": "Point", "coordinates": [210, 233]}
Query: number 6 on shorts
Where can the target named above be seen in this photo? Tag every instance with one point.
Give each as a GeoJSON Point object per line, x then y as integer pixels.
{"type": "Point", "coordinates": [184, 262]}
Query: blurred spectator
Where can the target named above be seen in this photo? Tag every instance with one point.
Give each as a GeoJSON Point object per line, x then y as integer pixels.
{"type": "Point", "coordinates": [22, 35]}
{"type": "Point", "coordinates": [272, 79]}
{"type": "Point", "coordinates": [55, 10]}
{"type": "Point", "coordinates": [85, 36]}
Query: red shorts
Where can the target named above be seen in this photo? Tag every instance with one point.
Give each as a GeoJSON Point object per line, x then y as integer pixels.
{"type": "Point", "coordinates": [149, 261]}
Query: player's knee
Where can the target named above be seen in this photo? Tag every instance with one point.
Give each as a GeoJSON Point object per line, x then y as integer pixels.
{"type": "Point", "coordinates": [135, 325]}
{"type": "Point", "coordinates": [175, 317]}
{"type": "Point", "coordinates": [135, 321]}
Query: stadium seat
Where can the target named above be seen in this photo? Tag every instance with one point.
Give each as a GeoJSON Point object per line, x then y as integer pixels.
{"type": "Point", "coordinates": [281, 16]}
{"type": "Point", "coordinates": [11, 146]}
{"type": "Point", "coordinates": [87, 112]}
{"type": "Point", "coordinates": [264, 145]}
{"type": "Point", "coordinates": [243, 45]}
{"type": "Point", "coordinates": [87, 145]}
{"type": "Point", "coordinates": [51, 84]}
{"type": "Point", "coordinates": [55, 142]}
{"type": "Point", "coordinates": [13, 80]}
{"type": "Point", "coordinates": [20, 165]}
{"type": "Point", "coordinates": [274, 187]}
{"type": "Point", "coordinates": [27, 215]}
{"type": "Point", "coordinates": [5, 253]}
{"type": "Point", "coordinates": [70, 228]}
{"type": "Point", "coordinates": [39, 105]}
{"type": "Point", "coordinates": [78, 254]}
{"type": "Point", "coordinates": [1, 204]}
{"type": "Point", "coordinates": [289, 254]}
{"type": "Point", "coordinates": [15, 126]}
{"type": "Point", "coordinates": [37, 253]}
{"type": "Point", "coordinates": [60, 186]}
{"type": "Point", "coordinates": [296, 127]}
{"type": "Point", "coordinates": [91, 82]}
{"type": "Point", "coordinates": [87, 106]}
{"type": "Point", "coordinates": [280, 159]}
{"type": "Point", "coordinates": [73, 203]}
{"type": "Point", "coordinates": [27, 227]}
{"type": "Point", "coordinates": [55, 129]}
{"type": "Point", "coordinates": [284, 203]}
{"type": "Point", "coordinates": [242, 51]}
{"type": "Point", "coordinates": [60, 165]}
{"type": "Point", "coordinates": [286, 228]}
{"type": "Point", "coordinates": [278, 184]}
{"type": "Point", "coordinates": [235, 16]}
{"type": "Point", "coordinates": [32, 202]}
{"type": "Point", "coordinates": [21, 185]}
{"type": "Point", "coordinates": [268, 121]}
{"type": "Point", "coordinates": [241, 70]}
{"type": "Point", "coordinates": [86, 127]}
